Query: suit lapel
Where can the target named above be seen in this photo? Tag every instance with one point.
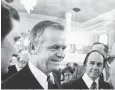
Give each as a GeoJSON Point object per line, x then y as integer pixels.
{"type": "Point", "coordinates": [83, 84]}
{"type": "Point", "coordinates": [31, 80]}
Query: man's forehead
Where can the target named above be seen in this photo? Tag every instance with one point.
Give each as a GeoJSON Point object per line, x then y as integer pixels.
{"type": "Point", "coordinates": [54, 35]}
{"type": "Point", "coordinates": [95, 57]}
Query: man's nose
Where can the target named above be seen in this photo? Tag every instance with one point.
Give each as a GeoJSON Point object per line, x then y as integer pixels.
{"type": "Point", "coordinates": [95, 66]}
{"type": "Point", "coordinates": [60, 53]}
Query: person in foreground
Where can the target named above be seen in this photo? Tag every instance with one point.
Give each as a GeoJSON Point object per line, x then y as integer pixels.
{"type": "Point", "coordinates": [94, 64]}
{"type": "Point", "coordinates": [111, 79]}
{"type": "Point", "coordinates": [47, 43]}
{"type": "Point", "coordinates": [9, 23]}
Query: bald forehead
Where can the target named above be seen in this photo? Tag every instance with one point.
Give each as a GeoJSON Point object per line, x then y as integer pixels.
{"type": "Point", "coordinates": [96, 57]}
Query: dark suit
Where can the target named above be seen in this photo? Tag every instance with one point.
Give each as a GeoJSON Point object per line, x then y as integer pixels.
{"type": "Point", "coordinates": [11, 70]}
{"type": "Point", "coordinates": [80, 84]}
{"type": "Point", "coordinates": [24, 79]}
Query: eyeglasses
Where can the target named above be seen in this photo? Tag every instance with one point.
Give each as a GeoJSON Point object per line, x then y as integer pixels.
{"type": "Point", "coordinates": [67, 74]}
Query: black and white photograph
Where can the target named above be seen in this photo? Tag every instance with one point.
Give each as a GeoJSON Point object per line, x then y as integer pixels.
{"type": "Point", "coordinates": [58, 44]}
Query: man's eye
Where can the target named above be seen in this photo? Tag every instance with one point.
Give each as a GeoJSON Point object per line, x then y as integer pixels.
{"type": "Point", "coordinates": [92, 63]}
{"type": "Point", "coordinates": [64, 48]}
{"type": "Point", "coordinates": [99, 64]}
{"type": "Point", "coordinates": [54, 47]}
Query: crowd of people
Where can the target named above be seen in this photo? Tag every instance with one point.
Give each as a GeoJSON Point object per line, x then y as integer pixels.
{"type": "Point", "coordinates": [37, 66]}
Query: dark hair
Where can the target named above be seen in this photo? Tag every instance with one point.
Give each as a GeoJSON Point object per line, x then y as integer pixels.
{"type": "Point", "coordinates": [67, 69]}
{"type": "Point", "coordinates": [7, 14]}
{"type": "Point", "coordinates": [86, 58]}
{"type": "Point", "coordinates": [105, 46]}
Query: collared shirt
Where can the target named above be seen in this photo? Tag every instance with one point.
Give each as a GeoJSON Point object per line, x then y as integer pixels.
{"type": "Point", "coordinates": [89, 81]}
{"type": "Point", "coordinates": [39, 75]}
{"type": "Point", "coordinates": [51, 78]}
{"type": "Point", "coordinates": [18, 68]}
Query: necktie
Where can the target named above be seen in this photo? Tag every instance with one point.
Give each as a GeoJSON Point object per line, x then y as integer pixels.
{"type": "Point", "coordinates": [51, 84]}
{"type": "Point", "coordinates": [94, 85]}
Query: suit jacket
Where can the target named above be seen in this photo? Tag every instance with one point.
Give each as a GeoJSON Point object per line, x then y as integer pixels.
{"type": "Point", "coordinates": [80, 84]}
{"type": "Point", "coordinates": [11, 70]}
{"type": "Point", "coordinates": [24, 79]}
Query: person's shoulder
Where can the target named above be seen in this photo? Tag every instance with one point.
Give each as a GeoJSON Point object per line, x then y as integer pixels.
{"type": "Point", "coordinates": [15, 79]}
{"type": "Point", "coordinates": [105, 85]}
{"type": "Point", "coordinates": [12, 80]}
{"type": "Point", "coordinates": [72, 84]}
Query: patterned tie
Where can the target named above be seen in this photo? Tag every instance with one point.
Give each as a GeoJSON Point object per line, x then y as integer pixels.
{"type": "Point", "coordinates": [94, 85]}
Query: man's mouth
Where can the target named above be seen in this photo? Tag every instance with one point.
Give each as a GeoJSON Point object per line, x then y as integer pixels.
{"type": "Point", "coordinates": [56, 61]}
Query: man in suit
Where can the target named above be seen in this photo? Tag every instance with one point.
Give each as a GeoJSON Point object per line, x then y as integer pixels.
{"type": "Point", "coordinates": [94, 64]}
{"type": "Point", "coordinates": [104, 50]}
{"type": "Point", "coordinates": [47, 43]}
{"type": "Point", "coordinates": [9, 24]}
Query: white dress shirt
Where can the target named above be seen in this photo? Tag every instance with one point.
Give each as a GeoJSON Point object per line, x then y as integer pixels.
{"type": "Point", "coordinates": [39, 75]}
{"type": "Point", "coordinates": [17, 67]}
{"type": "Point", "coordinates": [88, 81]}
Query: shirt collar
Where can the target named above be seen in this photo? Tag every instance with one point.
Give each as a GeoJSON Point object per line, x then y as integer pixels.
{"type": "Point", "coordinates": [17, 67]}
{"type": "Point", "coordinates": [39, 75]}
{"type": "Point", "coordinates": [88, 80]}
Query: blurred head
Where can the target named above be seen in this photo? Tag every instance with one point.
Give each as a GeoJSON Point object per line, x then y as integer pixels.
{"type": "Point", "coordinates": [72, 65]}
{"type": "Point", "coordinates": [19, 46]}
{"type": "Point", "coordinates": [94, 64]}
{"type": "Point", "coordinates": [67, 73]}
{"type": "Point", "coordinates": [112, 67]}
{"type": "Point", "coordinates": [23, 59]}
{"type": "Point", "coordinates": [47, 43]}
{"type": "Point", "coordinates": [9, 23]}
{"type": "Point", "coordinates": [101, 47]}
{"type": "Point", "coordinates": [112, 54]}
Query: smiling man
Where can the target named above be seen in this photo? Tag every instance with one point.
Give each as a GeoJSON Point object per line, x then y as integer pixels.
{"type": "Point", "coordinates": [47, 45]}
{"type": "Point", "coordinates": [94, 64]}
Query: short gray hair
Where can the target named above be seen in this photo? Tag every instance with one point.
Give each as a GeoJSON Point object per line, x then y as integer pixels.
{"type": "Point", "coordinates": [40, 27]}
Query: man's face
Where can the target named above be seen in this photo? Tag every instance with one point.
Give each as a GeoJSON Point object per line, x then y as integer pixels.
{"type": "Point", "coordinates": [51, 51]}
{"type": "Point", "coordinates": [94, 65]}
{"type": "Point", "coordinates": [7, 48]}
{"type": "Point", "coordinates": [67, 76]}
{"type": "Point", "coordinates": [24, 58]}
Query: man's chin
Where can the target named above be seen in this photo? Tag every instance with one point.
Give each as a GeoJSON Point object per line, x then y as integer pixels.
{"type": "Point", "coordinates": [54, 68]}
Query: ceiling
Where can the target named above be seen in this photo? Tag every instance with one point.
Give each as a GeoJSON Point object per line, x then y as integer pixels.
{"type": "Point", "coordinates": [57, 8]}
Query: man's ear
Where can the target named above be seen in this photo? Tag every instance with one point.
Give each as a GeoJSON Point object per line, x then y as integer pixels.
{"type": "Point", "coordinates": [32, 48]}
{"type": "Point", "coordinates": [85, 65]}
